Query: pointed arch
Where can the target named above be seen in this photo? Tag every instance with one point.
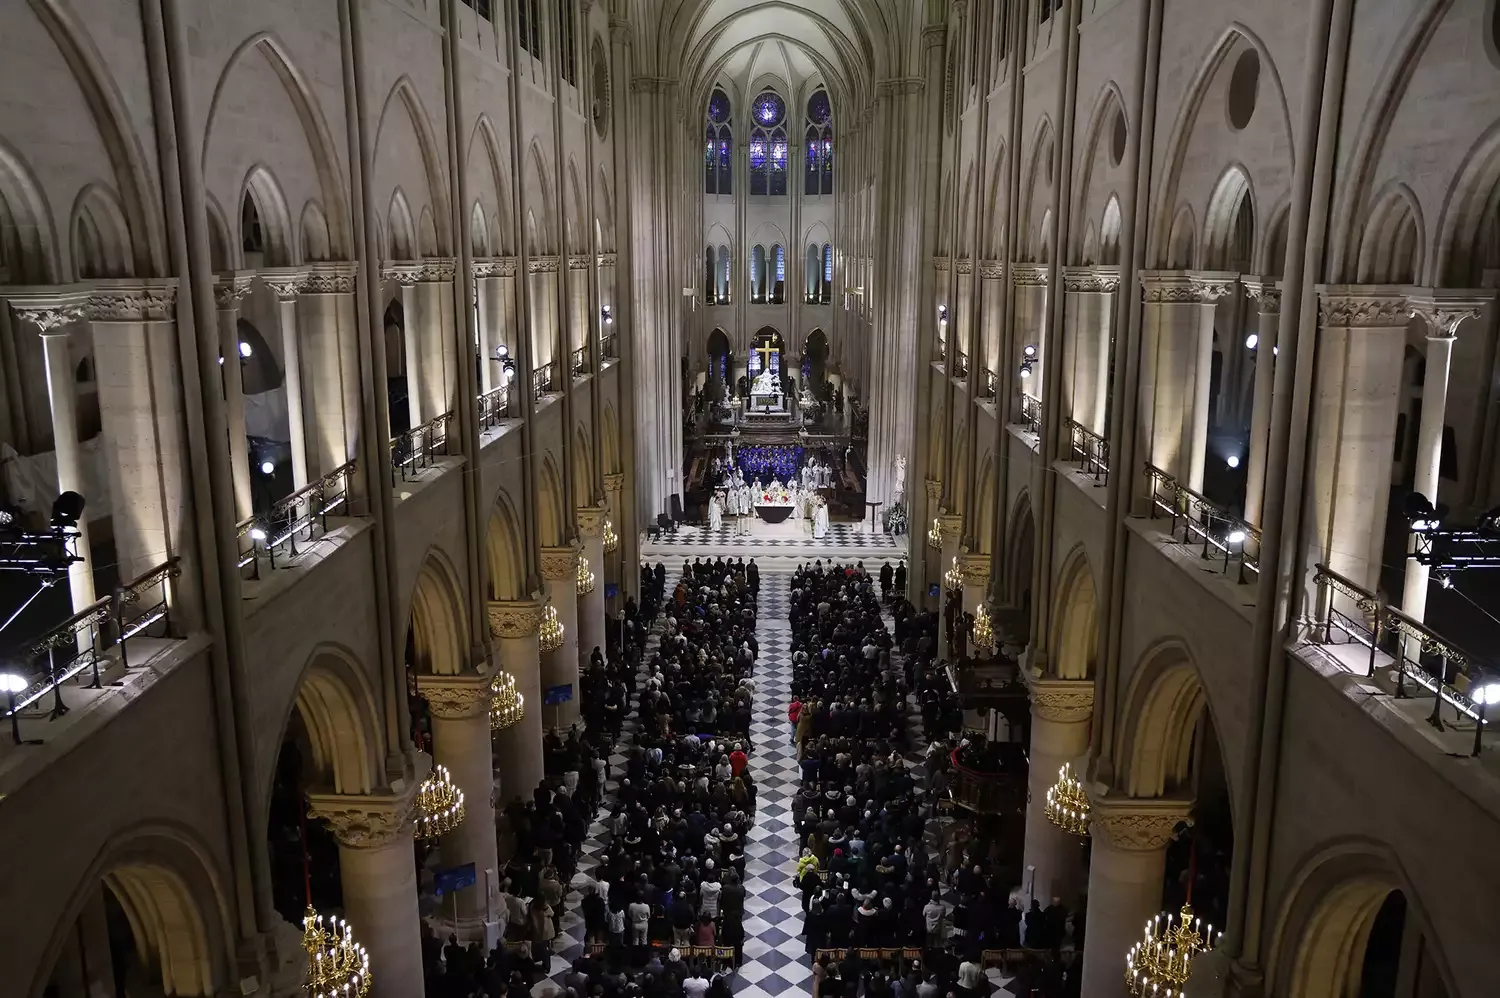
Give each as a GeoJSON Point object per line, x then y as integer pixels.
{"type": "Point", "coordinates": [994, 204]}
{"type": "Point", "coordinates": [988, 504]}
{"type": "Point", "coordinates": [317, 241]}
{"type": "Point", "coordinates": [1391, 250]}
{"type": "Point", "coordinates": [405, 93]}
{"type": "Point", "coordinates": [1109, 233]}
{"type": "Point", "coordinates": [100, 235]}
{"type": "Point", "coordinates": [583, 468]}
{"type": "Point", "coordinates": [539, 191]}
{"type": "Point", "coordinates": [484, 139]}
{"type": "Point", "coordinates": [439, 627]}
{"type": "Point", "coordinates": [1159, 716]}
{"type": "Point", "coordinates": [1075, 623]}
{"type": "Point", "coordinates": [604, 212]}
{"type": "Point", "coordinates": [1020, 546]}
{"type": "Point", "coordinates": [342, 721]}
{"type": "Point", "coordinates": [611, 440]}
{"type": "Point", "coordinates": [1468, 215]}
{"type": "Point", "coordinates": [479, 231]}
{"type": "Point", "coordinates": [1107, 114]}
{"type": "Point", "coordinates": [400, 228]}
{"type": "Point", "coordinates": [551, 513]}
{"type": "Point", "coordinates": [1225, 245]}
{"type": "Point", "coordinates": [504, 546]}
{"type": "Point", "coordinates": [1037, 196]}
{"type": "Point", "coordinates": [264, 192]}
{"type": "Point", "coordinates": [1181, 247]}
{"type": "Point", "coordinates": [578, 239]}
{"type": "Point", "coordinates": [26, 228]}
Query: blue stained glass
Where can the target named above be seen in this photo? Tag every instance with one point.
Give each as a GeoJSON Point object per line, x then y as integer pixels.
{"type": "Point", "coordinates": [778, 155]}
{"type": "Point", "coordinates": [718, 106]}
{"type": "Point", "coordinates": [827, 264]}
{"type": "Point", "coordinates": [724, 154]}
{"type": "Point", "coordinates": [780, 264]}
{"type": "Point", "coordinates": [708, 149]}
{"type": "Point", "coordinates": [769, 108]}
{"type": "Point", "coordinates": [757, 154]}
{"type": "Point", "coordinates": [818, 108]}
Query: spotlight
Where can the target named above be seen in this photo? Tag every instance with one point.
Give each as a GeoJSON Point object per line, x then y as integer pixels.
{"type": "Point", "coordinates": [257, 534]}
{"type": "Point", "coordinates": [245, 350]}
{"type": "Point", "coordinates": [1446, 581]}
{"type": "Point", "coordinates": [1275, 351]}
{"type": "Point", "coordinates": [66, 509]}
{"type": "Point", "coordinates": [1236, 537]}
{"type": "Point", "coordinates": [1233, 460]}
{"type": "Point", "coordinates": [1422, 514]}
{"type": "Point", "coordinates": [510, 375]}
{"type": "Point", "coordinates": [267, 468]}
{"type": "Point", "coordinates": [502, 351]}
{"type": "Point", "coordinates": [1252, 341]}
{"type": "Point", "coordinates": [1029, 350]}
{"type": "Point", "coordinates": [609, 317]}
{"type": "Point", "coordinates": [1488, 693]}
{"type": "Point", "coordinates": [1025, 370]}
{"type": "Point", "coordinates": [221, 360]}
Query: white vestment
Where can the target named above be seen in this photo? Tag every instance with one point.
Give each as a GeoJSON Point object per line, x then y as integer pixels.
{"type": "Point", "coordinates": [715, 513]}
{"type": "Point", "coordinates": [820, 521]}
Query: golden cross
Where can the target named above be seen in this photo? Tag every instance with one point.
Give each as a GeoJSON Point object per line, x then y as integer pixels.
{"type": "Point", "coordinates": [765, 356]}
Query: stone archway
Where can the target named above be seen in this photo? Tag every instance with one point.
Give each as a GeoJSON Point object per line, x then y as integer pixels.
{"type": "Point", "coordinates": [1075, 631]}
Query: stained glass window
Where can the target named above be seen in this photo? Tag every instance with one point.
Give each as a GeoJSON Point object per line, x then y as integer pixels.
{"type": "Point", "coordinates": [817, 175]}
{"type": "Point", "coordinates": [778, 286]}
{"type": "Point", "coordinates": [778, 162]}
{"type": "Point", "coordinates": [769, 150]}
{"type": "Point", "coordinates": [818, 109]}
{"type": "Point", "coordinates": [718, 174]}
{"type": "Point", "coordinates": [718, 107]}
{"type": "Point", "coordinates": [769, 109]}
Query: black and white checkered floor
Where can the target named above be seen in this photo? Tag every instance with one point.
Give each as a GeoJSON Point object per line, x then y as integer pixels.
{"type": "Point", "coordinates": [842, 537]}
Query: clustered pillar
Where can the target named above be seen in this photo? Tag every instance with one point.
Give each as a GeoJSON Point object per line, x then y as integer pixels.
{"type": "Point", "coordinates": [591, 603]}
{"type": "Point", "coordinates": [460, 707]}
{"type": "Point", "coordinates": [1061, 710]}
{"type": "Point", "coordinates": [518, 749]}
{"type": "Point", "coordinates": [560, 666]}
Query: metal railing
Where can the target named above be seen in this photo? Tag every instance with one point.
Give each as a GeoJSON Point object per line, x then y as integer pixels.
{"type": "Point", "coordinates": [960, 364]}
{"type": "Point", "coordinates": [307, 509]}
{"type": "Point", "coordinates": [579, 363]}
{"type": "Point", "coordinates": [942, 351]}
{"type": "Point", "coordinates": [1090, 450]}
{"type": "Point", "coordinates": [1220, 532]}
{"type": "Point", "coordinates": [144, 601]}
{"type": "Point", "coordinates": [494, 406]}
{"type": "Point", "coordinates": [989, 384]}
{"type": "Point", "coordinates": [609, 347]}
{"type": "Point", "coordinates": [1031, 413]}
{"type": "Point", "coordinates": [413, 451]}
{"type": "Point", "coordinates": [541, 381]}
{"type": "Point", "coordinates": [1440, 667]}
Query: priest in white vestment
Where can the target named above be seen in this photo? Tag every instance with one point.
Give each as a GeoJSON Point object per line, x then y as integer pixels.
{"type": "Point", "coordinates": [715, 512]}
{"type": "Point", "coordinates": [820, 518]}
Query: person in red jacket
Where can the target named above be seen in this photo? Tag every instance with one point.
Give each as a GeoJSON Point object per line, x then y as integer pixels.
{"type": "Point", "coordinates": [792, 714]}
{"type": "Point", "coordinates": [738, 760]}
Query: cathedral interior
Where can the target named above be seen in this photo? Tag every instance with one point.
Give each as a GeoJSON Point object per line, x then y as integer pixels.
{"type": "Point", "coordinates": [396, 394]}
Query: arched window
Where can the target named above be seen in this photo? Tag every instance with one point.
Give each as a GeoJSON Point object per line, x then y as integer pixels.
{"type": "Point", "coordinates": [758, 275]}
{"type": "Point", "coordinates": [710, 273]}
{"type": "Point", "coordinates": [778, 289]}
{"type": "Point", "coordinates": [768, 147]}
{"type": "Point", "coordinates": [827, 295]}
{"type": "Point", "coordinates": [718, 147]}
{"type": "Point", "coordinates": [530, 23]}
{"type": "Point", "coordinates": [723, 274]}
{"type": "Point", "coordinates": [817, 174]}
{"type": "Point", "coordinates": [814, 275]}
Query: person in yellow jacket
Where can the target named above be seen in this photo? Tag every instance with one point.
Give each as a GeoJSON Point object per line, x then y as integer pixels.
{"type": "Point", "coordinates": [807, 861]}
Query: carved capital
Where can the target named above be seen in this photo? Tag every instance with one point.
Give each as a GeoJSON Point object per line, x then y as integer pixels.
{"type": "Point", "coordinates": [456, 697]}
{"type": "Point", "coordinates": [232, 288]}
{"type": "Point", "coordinates": [1444, 309]}
{"type": "Point", "coordinates": [953, 524]}
{"type": "Point", "coordinates": [285, 282]}
{"type": "Point", "coordinates": [1167, 287]}
{"type": "Point", "coordinates": [991, 270]}
{"type": "Point", "coordinates": [560, 563]}
{"type": "Point", "coordinates": [578, 263]}
{"type": "Point", "coordinates": [484, 267]}
{"type": "Point", "coordinates": [1091, 280]}
{"type": "Point", "coordinates": [1362, 306]}
{"type": "Point", "coordinates": [331, 279]}
{"type": "Point", "coordinates": [404, 274]}
{"type": "Point", "coordinates": [940, 263]}
{"type": "Point", "coordinates": [51, 309]}
{"type": "Point", "coordinates": [934, 490]}
{"type": "Point", "coordinates": [542, 265]}
{"type": "Point", "coordinates": [437, 271]}
{"type": "Point", "coordinates": [965, 265]}
{"type": "Point", "coordinates": [1210, 286]}
{"type": "Point", "coordinates": [607, 259]}
{"type": "Point", "coordinates": [1265, 294]}
{"type": "Point", "coordinates": [365, 822]}
{"type": "Point", "coordinates": [514, 618]}
{"type": "Point", "coordinates": [1136, 824]}
{"type": "Point", "coordinates": [1063, 701]}
{"type": "Point", "coordinates": [975, 568]}
{"type": "Point", "coordinates": [591, 521]}
{"type": "Point", "coordinates": [133, 300]}
{"type": "Point", "coordinates": [1028, 275]}
{"type": "Point", "coordinates": [614, 481]}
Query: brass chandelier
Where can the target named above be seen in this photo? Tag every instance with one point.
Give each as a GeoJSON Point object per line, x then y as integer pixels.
{"type": "Point", "coordinates": [935, 533]}
{"type": "Point", "coordinates": [953, 579]}
{"type": "Point", "coordinates": [984, 630]}
{"type": "Point", "coordinates": [507, 704]}
{"type": "Point", "coordinates": [337, 966]}
{"type": "Point", "coordinates": [1159, 965]}
{"type": "Point", "coordinates": [585, 577]}
{"type": "Point", "coordinates": [440, 805]}
{"type": "Point", "coordinates": [550, 636]}
{"type": "Point", "coordinates": [1067, 803]}
{"type": "Point", "coordinates": [611, 539]}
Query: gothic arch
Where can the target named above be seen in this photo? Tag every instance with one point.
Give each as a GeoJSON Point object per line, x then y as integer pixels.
{"type": "Point", "coordinates": [552, 515]}
{"type": "Point", "coordinates": [1159, 715]}
{"type": "Point", "coordinates": [604, 212]}
{"type": "Point", "coordinates": [1020, 545]}
{"type": "Point", "coordinates": [1038, 194]}
{"type": "Point", "coordinates": [342, 720]}
{"type": "Point", "coordinates": [1324, 922]}
{"type": "Point", "coordinates": [578, 233]}
{"type": "Point", "coordinates": [504, 547]}
{"type": "Point", "coordinates": [611, 424]}
{"type": "Point", "coordinates": [401, 228]}
{"type": "Point", "coordinates": [265, 193]}
{"type": "Point", "coordinates": [993, 246]}
{"type": "Point", "coordinates": [174, 898]}
{"type": "Point", "coordinates": [1107, 104]}
{"type": "Point", "coordinates": [1391, 249]}
{"type": "Point", "coordinates": [26, 230]}
{"type": "Point", "coordinates": [479, 231]}
{"type": "Point", "coordinates": [317, 240]}
{"type": "Point", "coordinates": [438, 626]}
{"type": "Point", "coordinates": [1109, 232]}
{"type": "Point", "coordinates": [100, 235]}
{"type": "Point", "coordinates": [314, 127]}
{"type": "Point", "coordinates": [223, 252]}
{"type": "Point", "coordinates": [1467, 216]}
{"type": "Point", "coordinates": [432, 166]}
{"type": "Point", "coordinates": [967, 219]}
{"type": "Point", "coordinates": [1075, 622]}
{"type": "Point", "coordinates": [1181, 246]}
{"type": "Point", "coordinates": [988, 501]}
{"type": "Point", "coordinates": [539, 191]}
{"type": "Point", "coordinates": [583, 468]}
{"type": "Point", "coordinates": [484, 139]}
{"type": "Point", "coordinates": [1220, 221]}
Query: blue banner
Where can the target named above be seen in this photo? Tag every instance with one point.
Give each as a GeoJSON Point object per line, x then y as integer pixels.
{"type": "Point", "coordinates": [455, 879]}
{"type": "Point", "coordinates": [554, 695]}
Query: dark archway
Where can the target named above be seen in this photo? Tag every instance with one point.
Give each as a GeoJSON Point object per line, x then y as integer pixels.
{"type": "Point", "coordinates": [720, 364]}
{"type": "Point", "coordinates": [815, 360]}
{"type": "Point", "coordinates": [397, 388]}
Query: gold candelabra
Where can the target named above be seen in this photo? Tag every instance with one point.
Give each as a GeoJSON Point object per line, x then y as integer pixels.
{"type": "Point", "coordinates": [550, 636]}
{"type": "Point", "coordinates": [984, 630]}
{"type": "Point", "coordinates": [585, 577]}
{"type": "Point", "coordinates": [1067, 803]}
{"type": "Point", "coordinates": [507, 704]}
{"type": "Point", "coordinates": [1159, 965]}
{"type": "Point", "coordinates": [953, 579]}
{"type": "Point", "coordinates": [440, 805]}
{"type": "Point", "coordinates": [337, 966]}
{"type": "Point", "coordinates": [935, 533]}
{"type": "Point", "coordinates": [611, 539]}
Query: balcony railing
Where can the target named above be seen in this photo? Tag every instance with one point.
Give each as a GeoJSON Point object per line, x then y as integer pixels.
{"type": "Point", "coordinates": [1220, 532]}
{"type": "Point", "coordinates": [942, 351]}
{"type": "Point", "coordinates": [1439, 665]}
{"type": "Point", "coordinates": [1090, 450]}
{"type": "Point", "coordinates": [960, 364]}
{"type": "Point", "coordinates": [579, 362]}
{"type": "Point", "coordinates": [988, 384]}
{"type": "Point", "coordinates": [988, 793]}
{"type": "Point", "coordinates": [1031, 413]}
{"type": "Point", "coordinates": [299, 517]}
{"type": "Point", "coordinates": [609, 347]}
{"type": "Point", "coordinates": [541, 381]}
{"type": "Point", "coordinates": [79, 646]}
{"type": "Point", "coordinates": [414, 451]}
{"type": "Point", "coordinates": [494, 406]}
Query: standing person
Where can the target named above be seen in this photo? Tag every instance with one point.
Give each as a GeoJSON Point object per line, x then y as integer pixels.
{"type": "Point", "coordinates": [640, 922]}
{"type": "Point", "coordinates": [752, 579]}
{"type": "Point", "coordinates": [793, 714]}
{"type": "Point", "coordinates": [900, 579]}
{"type": "Point", "coordinates": [886, 575]}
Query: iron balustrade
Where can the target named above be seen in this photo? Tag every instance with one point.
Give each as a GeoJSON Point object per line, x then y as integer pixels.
{"type": "Point", "coordinates": [1206, 521]}
{"type": "Point", "coordinates": [541, 381]}
{"type": "Point", "coordinates": [988, 384]}
{"type": "Point", "coordinates": [1090, 450]}
{"type": "Point", "coordinates": [144, 601]}
{"type": "Point", "coordinates": [47, 661]}
{"type": "Point", "coordinates": [494, 406]}
{"type": "Point", "coordinates": [609, 347]}
{"type": "Point", "coordinates": [413, 452]}
{"type": "Point", "coordinates": [960, 364]}
{"type": "Point", "coordinates": [1441, 667]}
{"type": "Point", "coordinates": [580, 362]}
{"type": "Point", "coordinates": [307, 509]}
{"type": "Point", "coordinates": [1031, 413]}
{"type": "Point", "coordinates": [942, 350]}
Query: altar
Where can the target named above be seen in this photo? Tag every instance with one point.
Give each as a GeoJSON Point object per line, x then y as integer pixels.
{"type": "Point", "coordinates": [773, 503]}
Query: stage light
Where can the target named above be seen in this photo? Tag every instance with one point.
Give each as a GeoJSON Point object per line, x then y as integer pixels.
{"type": "Point", "coordinates": [1233, 460]}
{"type": "Point", "coordinates": [1252, 341]}
{"type": "Point", "coordinates": [267, 468]}
{"type": "Point", "coordinates": [245, 350]}
{"type": "Point", "coordinates": [1029, 350]}
{"type": "Point", "coordinates": [66, 509]}
{"type": "Point", "coordinates": [1236, 537]}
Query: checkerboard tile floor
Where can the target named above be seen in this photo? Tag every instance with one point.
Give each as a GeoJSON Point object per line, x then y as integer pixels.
{"type": "Point", "coordinates": [850, 537]}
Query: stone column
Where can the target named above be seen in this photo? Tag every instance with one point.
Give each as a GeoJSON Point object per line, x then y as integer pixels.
{"type": "Point", "coordinates": [1030, 291]}
{"type": "Point", "coordinates": [437, 380]}
{"type": "Point", "coordinates": [1442, 311]}
{"type": "Point", "coordinates": [487, 293]}
{"type": "Point", "coordinates": [518, 749]}
{"type": "Point", "coordinates": [976, 572]}
{"type": "Point", "coordinates": [560, 667]}
{"type": "Point", "coordinates": [591, 604]}
{"type": "Point", "coordinates": [286, 284]}
{"type": "Point", "coordinates": [379, 875]}
{"type": "Point", "coordinates": [53, 312]}
{"type": "Point", "coordinates": [615, 562]}
{"type": "Point", "coordinates": [1126, 867]}
{"type": "Point", "coordinates": [1061, 711]}
{"type": "Point", "coordinates": [229, 290]}
{"type": "Point", "coordinates": [1357, 388]}
{"type": "Point", "coordinates": [1267, 298]}
{"type": "Point", "coordinates": [1091, 295]}
{"type": "Point", "coordinates": [330, 368]}
{"type": "Point", "coordinates": [141, 408]}
{"type": "Point", "coordinates": [404, 276]}
{"type": "Point", "coordinates": [1208, 288]}
{"type": "Point", "coordinates": [460, 708]}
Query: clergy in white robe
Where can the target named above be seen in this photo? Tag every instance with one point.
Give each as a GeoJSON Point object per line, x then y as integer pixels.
{"type": "Point", "coordinates": [715, 512]}
{"type": "Point", "coordinates": [820, 519]}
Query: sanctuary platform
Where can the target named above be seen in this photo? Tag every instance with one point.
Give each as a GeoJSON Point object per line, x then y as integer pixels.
{"type": "Point", "coordinates": [787, 542]}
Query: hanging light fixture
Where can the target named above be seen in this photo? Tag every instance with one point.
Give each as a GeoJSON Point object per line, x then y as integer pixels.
{"type": "Point", "coordinates": [550, 636]}
{"type": "Point", "coordinates": [984, 630]}
{"type": "Point", "coordinates": [1160, 964]}
{"type": "Point", "coordinates": [585, 583]}
{"type": "Point", "coordinates": [611, 539]}
{"type": "Point", "coordinates": [440, 805]}
{"type": "Point", "coordinates": [507, 704]}
{"type": "Point", "coordinates": [1067, 803]}
{"type": "Point", "coordinates": [935, 533]}
{"type": "Point", "coordinates": [953, 579]}
{"type": "Point", "coordinates": [337, 966]}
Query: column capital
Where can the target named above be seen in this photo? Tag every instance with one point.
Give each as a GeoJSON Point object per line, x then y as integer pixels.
{"type": "Point", "coordinates": [1443, 309]}
{"type": "Point", "coordinates": [367, 821]}
{"type": "Point", "coordinates": [286, 283]}
{"type": "Point", "coordinates": [934, 490]}
{"type": "Point", "coordinates": [614, 481]}
{"type": "Point", "coordinates": [133, 300]}
{"type": "Point", "coordinates": [1265, 292]}
{"type": "Point", "coordinates": [406, 274]}
{"type": "Point", "coordinates": [975, 567]}
{"type": "Point", "coordinates": [485, 266]}
{"type": "Point", "coordinates": [338, 278]}
{"type": "Point", "coordinates": [505, 266]}
{"type": "Point", "coordinates": [1064, 701]}
{"type": "Point", "coordinates": [1028, 275]}
{"type": "Point", "coordinates": [560, 563]}
{"type": "Point", "coordinates": [607, 259]}
{"type": "Point", "coordinates": [578, 262]}
{"type": "Point", "coordinates": [456, 697]}
{"type": "Point", "coordinates": [1167, 287]}
{"type": "Point", "coordinates": [515, 618]}
{"type": "Point", "coordinates": [1362, 306]}
{"type": "Point", "coordinates": [1211, 285]}
{"type": "Point", "coordinates": [1136, 824]}
{"type": "Point", "coordinates": [953, 524]}
{"type": "Point", "coordinates": [437, 270]}
{"type": "Point", "coordinates": [1091, 280]}
{"type": "Point", "coordinates": [232, 287]}
{"type": "Point", "coordinates": [591, 520]}
{"type": "Point", "coordinates": [991, 270]}
{"type": "Point", "coordinates": [541, 265]}
{"type": "Point", "coordinates": [50, 309]}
